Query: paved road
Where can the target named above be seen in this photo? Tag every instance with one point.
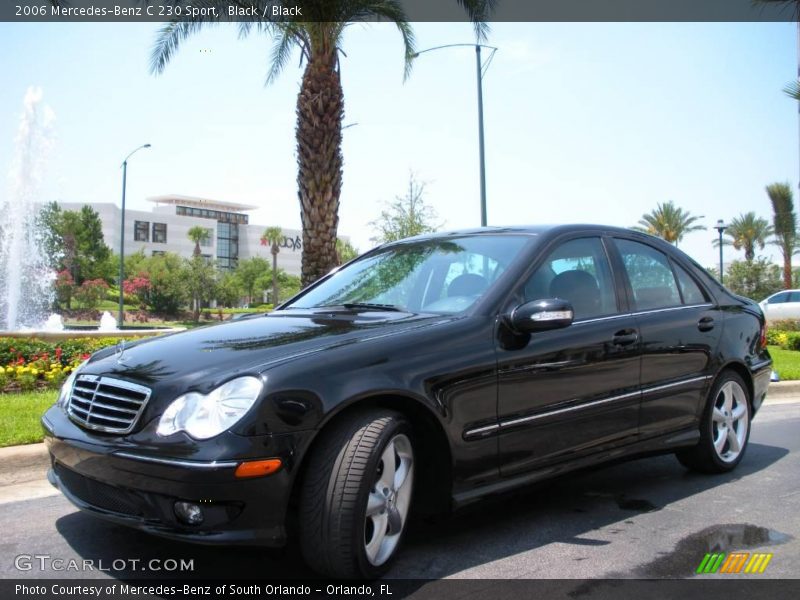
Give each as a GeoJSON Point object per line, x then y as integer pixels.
{"type": "Point", "coordinates": [648, 519]}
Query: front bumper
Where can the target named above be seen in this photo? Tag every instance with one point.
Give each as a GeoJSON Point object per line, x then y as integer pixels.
{"type": "Point", "coordinates": [138, 487]}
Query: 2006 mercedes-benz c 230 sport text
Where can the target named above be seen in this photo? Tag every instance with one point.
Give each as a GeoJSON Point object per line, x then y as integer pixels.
{"type": "Point", "coordinates": [423, 375]}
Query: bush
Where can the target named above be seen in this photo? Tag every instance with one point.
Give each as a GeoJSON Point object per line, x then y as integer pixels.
{"type": "Point", "coordinates": [785, 325]}
{"type": "Point", "coordinates": [787, 340]}
{"type": "Point", "coordinates": [91, 292]}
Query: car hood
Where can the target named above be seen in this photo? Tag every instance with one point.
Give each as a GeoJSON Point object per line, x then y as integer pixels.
{"type": "Point", "coordinates": [202, 358]}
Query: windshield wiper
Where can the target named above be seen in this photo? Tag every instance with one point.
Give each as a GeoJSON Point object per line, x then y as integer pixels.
{"type": "Point", "coordinates": [370, 306]}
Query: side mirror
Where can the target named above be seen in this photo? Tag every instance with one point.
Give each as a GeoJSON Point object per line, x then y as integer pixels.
{"type": "Point", "coordinates": [541, 315]}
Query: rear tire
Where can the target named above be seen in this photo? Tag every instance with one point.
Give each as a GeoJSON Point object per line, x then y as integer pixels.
{"type": "Point", "coordinates": [724, 428]}
{"type": "Point", "coordinates": [356, 495]}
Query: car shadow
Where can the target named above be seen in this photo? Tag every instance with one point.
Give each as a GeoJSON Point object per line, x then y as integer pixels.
{"type": "Point", "coordinates": [562, 510]}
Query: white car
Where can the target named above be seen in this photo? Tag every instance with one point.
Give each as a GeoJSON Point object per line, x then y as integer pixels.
{"type": "Point", "coordinates": [782, 305]}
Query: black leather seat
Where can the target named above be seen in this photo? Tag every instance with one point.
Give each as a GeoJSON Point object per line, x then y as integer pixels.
{"type": "Point", "coordinates": [580, 289]}
{"type": "Point", "coordinates": [468, 284]}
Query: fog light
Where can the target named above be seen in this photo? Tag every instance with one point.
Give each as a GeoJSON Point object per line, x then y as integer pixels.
{"type": "Point", "coordinates": [189, 512]}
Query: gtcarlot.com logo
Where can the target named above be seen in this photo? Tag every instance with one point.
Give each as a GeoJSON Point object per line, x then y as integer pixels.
{"type": "Point", "coordinates": [733, 563]}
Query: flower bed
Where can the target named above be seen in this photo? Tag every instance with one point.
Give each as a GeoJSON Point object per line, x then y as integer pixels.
{"type": "Point", "coordinates": [30, 363]}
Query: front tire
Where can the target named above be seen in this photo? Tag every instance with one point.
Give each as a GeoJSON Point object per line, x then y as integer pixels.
{"type": "Point", "coordinates": [356, 495]}
{"type": "Point", "coordinates": [724, 429]}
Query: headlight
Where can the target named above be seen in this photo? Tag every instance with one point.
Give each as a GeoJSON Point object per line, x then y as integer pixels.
{"type": "Point", "coordinates": [204, 416]}
{"type": "Point", "coordinates": [66, 387]}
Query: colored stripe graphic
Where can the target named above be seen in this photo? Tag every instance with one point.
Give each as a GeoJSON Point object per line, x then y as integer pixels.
{"type": "Point", "coordinates": [735, 562]}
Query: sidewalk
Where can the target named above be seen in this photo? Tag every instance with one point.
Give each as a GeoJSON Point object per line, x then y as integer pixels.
{"type": "Point", "coordinates": [23, 469]}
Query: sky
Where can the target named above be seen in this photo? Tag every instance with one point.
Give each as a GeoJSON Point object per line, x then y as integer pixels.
{"type": "Point", "coordinates": [593, 122]}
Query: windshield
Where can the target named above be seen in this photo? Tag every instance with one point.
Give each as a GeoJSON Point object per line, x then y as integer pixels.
{"type": "Point", "coordinates": [438, 275]}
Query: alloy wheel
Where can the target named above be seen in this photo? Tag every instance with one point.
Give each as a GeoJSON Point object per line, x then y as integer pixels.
{"type": "Point", "coordinates": [389, 500]}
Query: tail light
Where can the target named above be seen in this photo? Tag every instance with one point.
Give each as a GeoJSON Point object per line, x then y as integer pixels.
{"type": "Point", "coordinates": [763, 340]}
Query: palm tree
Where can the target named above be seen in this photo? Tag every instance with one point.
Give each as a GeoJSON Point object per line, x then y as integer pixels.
{"type": "Point", "coordinates": [198, 235]}
{"type": "Point", "coordinates": [669, 222]}
{"type": "Point", "coordinates": [746, 232]}
{"type": "Point", "coordinates": [320, 102]}
{"type": "Point", "coordinates": [272, 236]}
{"type": "Point", "coordinates": [784, 225]}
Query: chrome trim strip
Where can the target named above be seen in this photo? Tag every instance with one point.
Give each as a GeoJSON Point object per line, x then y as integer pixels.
{"type": "Point", "coordinates": [671, 308]}
{"type": "Point", "coordinates": [481, 430]}
{"type": "Point", "coordinates": [666, 386]}
{"type": "Point", "coordinates": [192, 464]}
{"type": "Point", "coordinates": [520, 420]}
{"type": "Point", "coordinates": [644, 312]}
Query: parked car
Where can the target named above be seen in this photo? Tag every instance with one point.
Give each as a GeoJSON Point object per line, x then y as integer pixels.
{"type": "Point", "coordinates": [782, 305]}
{"type": "Point", "coordinates": [422, 376]}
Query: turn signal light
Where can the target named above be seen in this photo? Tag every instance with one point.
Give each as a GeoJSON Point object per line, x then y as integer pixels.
{"type": "Point", "coordinates": [257, 468]}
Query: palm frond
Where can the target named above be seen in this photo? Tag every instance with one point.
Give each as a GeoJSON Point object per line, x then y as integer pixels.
{"type": "Point", "coordinates": [479, 12]}
{"type": "Point", "coordinates": [356, 11]}
{"type": "Point", "coordinates": [286, 38]}
{"type": "Point", "coordinates": [793, 90]}
{"type": "Point", "coordinates": [783, 5]}
{"type": "Point", "coordinates": [169, 39]}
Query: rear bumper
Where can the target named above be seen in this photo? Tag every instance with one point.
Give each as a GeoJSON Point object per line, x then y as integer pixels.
{"type": "Point", "coordinates": [760, 373]}
{"type": "Point", "coordinates": [139, 487]}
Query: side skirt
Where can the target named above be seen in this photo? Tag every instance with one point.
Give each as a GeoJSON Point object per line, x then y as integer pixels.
{"type": "Point", "coordinates": [658, 445]}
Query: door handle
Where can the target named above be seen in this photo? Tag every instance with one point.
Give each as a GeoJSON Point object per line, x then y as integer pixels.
{"type": "Point", "coordinates": [706, 324]}
{"type": "Point", "coordinates": [625, 337]}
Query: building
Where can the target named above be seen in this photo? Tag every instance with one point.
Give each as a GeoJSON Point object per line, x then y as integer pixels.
{"type": "Point", "coordinates": [166, 229]}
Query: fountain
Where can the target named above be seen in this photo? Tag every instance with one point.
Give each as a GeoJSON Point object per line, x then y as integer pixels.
{"type": "Point", "coordinates": [107, 322]}
{"type": "Point", "coordinates": [26, 279]}
{"type": "Point", "coordinates": [27, 276]}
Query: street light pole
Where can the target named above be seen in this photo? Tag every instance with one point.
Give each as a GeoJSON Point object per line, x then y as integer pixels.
{"type": "Point", "coordinates": [479, 70]}
{"type": "Point", "coordinates": [121, 316]}
{"type": "Point", "coordinates": [720, 227]}
{"type": "Point", "coordinates": [481, 151]}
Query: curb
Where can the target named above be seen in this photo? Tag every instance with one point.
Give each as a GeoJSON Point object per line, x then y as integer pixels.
{"type": "Point", "coordinates": [781, 389]}
{"type": "Point", "coordinates": [20, 464]}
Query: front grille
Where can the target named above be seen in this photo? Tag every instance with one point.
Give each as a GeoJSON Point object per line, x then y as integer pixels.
{"type": "Point", "coordinates": [97, 494]}
{"type": "Point", "coordinates": [106, 404]}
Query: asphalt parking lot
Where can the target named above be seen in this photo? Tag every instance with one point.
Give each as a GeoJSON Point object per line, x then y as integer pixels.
{"type": "Point", "coordinates": [644, 519]}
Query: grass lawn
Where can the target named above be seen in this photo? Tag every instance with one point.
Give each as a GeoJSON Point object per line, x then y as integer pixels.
{"type": "Point", "coordinates": [785, 362]}
{"type": "Point", "coordinates": [19, 416]}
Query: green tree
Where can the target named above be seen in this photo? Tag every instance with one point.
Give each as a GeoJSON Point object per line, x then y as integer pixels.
{"type": "Point", "coordinates": [746, 232]}
{"type": "Point", "coordinates": [229, 291]}
{"type": "Point", "coordinates": [48, 222]}
{"type": "Point", "coordinates": [73, 240]}
{"type": "Point", "coordinates": [249, 272]}
{"type": "Point", "coordinates": [784, 223]}
{"type": "Point", "coordinates": [168, 290]}
{"type": "Point", "coordinates": [407, 216]}
{"type": "Point", "coordinates": [345, 251]}
{"type": "Point", "coordinates": [755, 279]}
{"type": "Point", "coordinates": [200, 277]}
{"type": "Point", "coordinates": [273, 237]}
{"type": "Point", "coordinates": [198, 235]}
{"type": "Point", "coordinates": [320, 102]}
{"type": "Point", "coordinates": [668, 222]}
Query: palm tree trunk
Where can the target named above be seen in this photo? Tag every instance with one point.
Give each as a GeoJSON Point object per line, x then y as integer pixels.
{"type": "Point", "coordinates": [274, 279]}
{"type": "Point", "coordinates": [787, 271]}
{"type": "Point", "coordinates": [320, 110]}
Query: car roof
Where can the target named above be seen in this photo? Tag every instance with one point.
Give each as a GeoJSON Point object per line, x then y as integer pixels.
{"type": "Point", "coordinates": [532, 230]}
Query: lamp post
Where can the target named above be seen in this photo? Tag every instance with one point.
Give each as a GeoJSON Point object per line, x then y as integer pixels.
{"type": "Point", "coordinates": [480, 69]}
{"type": "Point", "coordinates": [721, 227]}
{"type": "Point", "coordinates": [121, 316]}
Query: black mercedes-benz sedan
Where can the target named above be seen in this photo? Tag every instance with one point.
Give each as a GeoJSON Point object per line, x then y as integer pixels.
{"type": "Point", "coordinates": [421, 376]}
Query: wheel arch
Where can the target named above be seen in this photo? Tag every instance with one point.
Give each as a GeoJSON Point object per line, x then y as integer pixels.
{"type": "Point", "coordinates": [740, 369]}
{"type": "Point", "coordinates": [433, 486]}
